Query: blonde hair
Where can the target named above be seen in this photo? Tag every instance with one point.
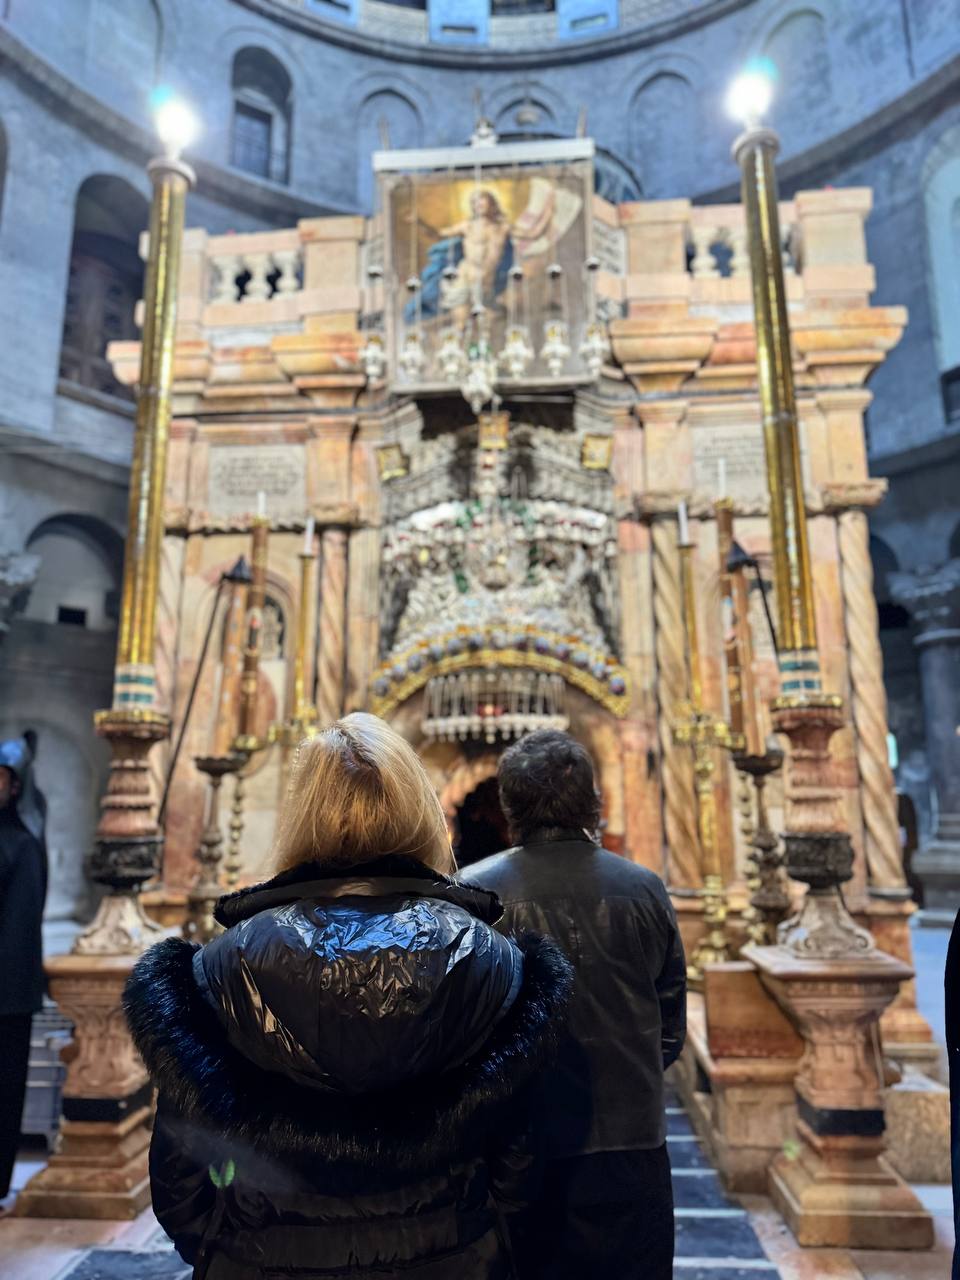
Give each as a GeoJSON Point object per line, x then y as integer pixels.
{"type": "Point", "coordinates": [357, 792]}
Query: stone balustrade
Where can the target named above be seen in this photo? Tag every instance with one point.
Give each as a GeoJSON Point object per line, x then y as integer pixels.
{"type": "Point", "coordinates": [254, 268]}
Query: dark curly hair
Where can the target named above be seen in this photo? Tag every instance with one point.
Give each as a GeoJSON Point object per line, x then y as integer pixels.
{"type": "Point", "coordinates": [546, 780]}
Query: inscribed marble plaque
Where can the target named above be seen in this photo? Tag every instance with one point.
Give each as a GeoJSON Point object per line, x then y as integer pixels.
{"type": "Point", "coordinates": [610, 248]}
{"type": "Point", "coordinates": [741, 447]}
{"type": "Point", "coordinates": [239, 472]}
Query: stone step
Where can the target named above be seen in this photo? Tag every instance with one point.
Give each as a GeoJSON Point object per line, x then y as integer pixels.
{"type": "Point", "coordinates": [714, 1235]}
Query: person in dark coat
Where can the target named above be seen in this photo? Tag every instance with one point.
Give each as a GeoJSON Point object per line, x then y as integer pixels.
{"type": "Point", "coordinates": [342, 1073]}
{"type": "Point", "coordinates": [23, 889]}
{"type": "Point", "coordinates": [952, 1027]}
{"type": "Point", "coordinates": [607, 1204]}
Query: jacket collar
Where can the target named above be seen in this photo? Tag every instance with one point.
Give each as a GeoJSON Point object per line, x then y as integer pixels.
{"type": "Point", "coordinates": [558, 835]}
{"type": "Point", "coordinates": [391, 876]}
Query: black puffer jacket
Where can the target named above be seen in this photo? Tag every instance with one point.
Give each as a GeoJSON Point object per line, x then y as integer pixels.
{"type": "Point", "coordinates": [342, 1077]}
{"type": "Point", "coordinates": [615, 921]}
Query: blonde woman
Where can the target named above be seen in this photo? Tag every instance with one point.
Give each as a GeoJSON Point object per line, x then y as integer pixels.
{"type": "Point", "coordinates": [341, 1072]}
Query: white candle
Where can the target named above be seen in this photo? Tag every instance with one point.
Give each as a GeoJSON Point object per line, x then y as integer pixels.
{"type": "Point", "coordinates": [721, 477]}
{"type": "Point", "coordinates": [684, 524]}
{"type": "Point", "coordinates": [308, 537]}
{"type": "Point", "coordinates": [261, 503]}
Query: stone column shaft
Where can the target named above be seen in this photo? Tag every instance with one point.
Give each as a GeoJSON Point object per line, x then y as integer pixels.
{"type": "Point", "coordinates": [933, 600]}
{"type": "Point", "coordinates": [333, 619]}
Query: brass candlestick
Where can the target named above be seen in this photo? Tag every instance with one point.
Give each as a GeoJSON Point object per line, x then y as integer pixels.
{"type": "Point", "coordinates": [704, 733]}
{"type": "Point", "coordinates": [127, 851]}
{"type": "Point", "coordinates": [200, 925]}
{"type": "Point", "coordinates": [247, 743]}
{"type": "Point", "coordinates": [768, 901]}
{"type": "Point", "coordinates": [818, 848]}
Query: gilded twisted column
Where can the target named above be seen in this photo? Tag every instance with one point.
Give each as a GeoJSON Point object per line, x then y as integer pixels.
{"type": "Point", "coordinates": [333, 624]}
{"type": "Point", "coordinates": [869, 705]}
{"type": "Point", "coordinates": [680, 805]}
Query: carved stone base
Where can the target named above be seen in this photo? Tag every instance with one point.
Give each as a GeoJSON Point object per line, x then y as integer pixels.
{"type": "Point", "coordinates": [840, 1192]}
{"type": "Point", "coordinates": [99, 1172]}
{"type": "Point", "coordinates": [101, 1169]}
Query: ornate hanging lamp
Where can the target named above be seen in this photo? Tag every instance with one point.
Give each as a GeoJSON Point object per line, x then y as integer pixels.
{"type": "Point", "coordinates": [412, 357]}
{"type": "Point", "coordinates": [480, 381]}
{"type": "Point", "coordinates": [517, 351]}
{"type": "Point", "coordinates": [595, 347]}
{"type": "Point", "coordinates": [556, 335]}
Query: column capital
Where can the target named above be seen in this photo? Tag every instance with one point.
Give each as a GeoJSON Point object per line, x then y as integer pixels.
{"type": "Point", "coordinates": [932, 597]}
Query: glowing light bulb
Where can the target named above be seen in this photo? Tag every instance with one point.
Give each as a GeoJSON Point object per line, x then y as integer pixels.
{"type": "Point", "coordinates": [176, 125]}
{"type": "Point", "coordinates": [750, 95]}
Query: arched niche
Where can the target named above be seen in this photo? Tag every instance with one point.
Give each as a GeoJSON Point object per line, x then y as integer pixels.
{"type": "Point", "coordinates": [262, 115]}
{"type": "Point", "coordinates": [387, 119]}
{"type": "Point", "coordinates": [941, 194]}
{"type": "Point", "coordinates": [663, 133]}
{"type": "Point", "coordinates": [105, 281]}
{"type": "Point", "coordinates": [81, 567]}
{"type": "Point", "coordinates": [803, 102]}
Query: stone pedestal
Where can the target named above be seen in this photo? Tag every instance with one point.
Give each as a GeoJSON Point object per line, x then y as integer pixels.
{"type": "Point", "coordinates": [838, 1190]}
{"type": "Point", "coordinates": [100, 1170]}
{"type": "Point", "coordinates": [736, 1075]}
{"type": "Point", "coordinates": [932, 598]}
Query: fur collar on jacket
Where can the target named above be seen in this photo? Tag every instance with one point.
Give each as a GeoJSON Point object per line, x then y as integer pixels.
{"type": "Point", "coordinates": [209, 1084]}
{"type": "Point", "coordinates": [395, 873]}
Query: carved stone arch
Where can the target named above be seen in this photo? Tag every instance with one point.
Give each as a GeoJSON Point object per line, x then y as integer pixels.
{"type": "Point", "coordinates": [794, 38]}
{"type": "Point", "coordinates": [663, 122]}
{"type": "Point", "coordinates": [464, 777]}
{"type": "Point", "coordinates": [388, 108]}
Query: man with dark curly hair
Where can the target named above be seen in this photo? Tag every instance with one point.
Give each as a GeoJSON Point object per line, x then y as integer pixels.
{"type": "Point", "coordinates": [607, 1207]}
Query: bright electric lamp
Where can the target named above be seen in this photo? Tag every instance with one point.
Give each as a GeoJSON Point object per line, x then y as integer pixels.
{"type": "Point", "coordinates": [175, 123]}
{"type": "Point", "coordinates": [750, 95]}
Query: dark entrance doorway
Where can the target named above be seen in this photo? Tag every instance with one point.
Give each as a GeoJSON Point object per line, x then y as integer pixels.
{"type": "Point", "coordinates": [481, 826]}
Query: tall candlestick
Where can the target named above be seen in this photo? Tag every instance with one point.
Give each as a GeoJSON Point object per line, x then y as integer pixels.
{"type": "Point", "coordinates": [703, 733]}
{"type": "Point", "coordinates": [247, 739]}
{"type": "Point", "coordinates": [684, 524]}
{"type": "Point", "coordinates": [304, 711]}
{"type": "Point", "coordinates": [227, 723]}
{"type": "Point", "coordinates": [731, 648]}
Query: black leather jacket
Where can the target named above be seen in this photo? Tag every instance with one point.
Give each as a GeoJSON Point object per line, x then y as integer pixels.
{"type": "Point", "coordinates": [627, 1022]}
{"type": "Point", "coordinates": [342, 1077]}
